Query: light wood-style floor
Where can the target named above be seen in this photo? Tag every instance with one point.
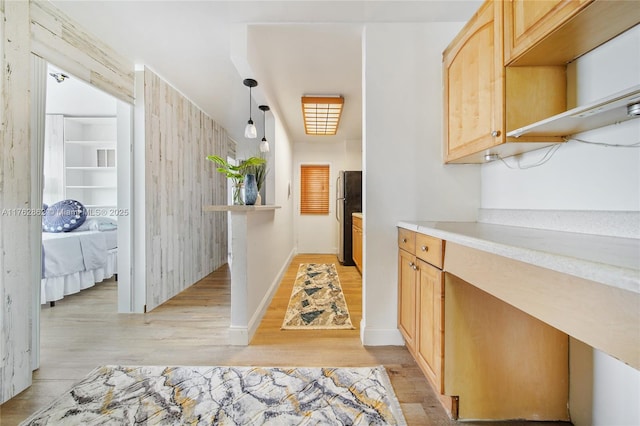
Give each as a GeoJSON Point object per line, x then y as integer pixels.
{"type": "Point", "coordinates": [84, 331]}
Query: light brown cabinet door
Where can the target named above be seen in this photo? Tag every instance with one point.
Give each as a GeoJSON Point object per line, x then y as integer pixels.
{"type": "Point", "coordinates": [430, 340]}
{"type": "Point", "coordinates": [407, 298]}
{"type": "Point", "coordinates": [527, 22]}
{"type": "Point", "coordinates": [474, 85]}
{"type": "Point", "coordinates": [556, 32]}
{"type": "Point", "coordinates": [357, 245]}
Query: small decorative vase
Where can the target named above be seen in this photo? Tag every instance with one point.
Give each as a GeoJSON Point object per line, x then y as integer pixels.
{"type": "Point", "coordinates": [259, 200]}
{"type": "Point", "coordinates": [238, 198]}
{"type": "Point", "coordinates": [250, 190]}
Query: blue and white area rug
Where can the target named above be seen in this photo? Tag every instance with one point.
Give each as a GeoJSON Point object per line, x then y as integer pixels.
{"type": "Point", "coordinates": [317, 300]}
{"type": "Point", "coordinates": [155, 395]}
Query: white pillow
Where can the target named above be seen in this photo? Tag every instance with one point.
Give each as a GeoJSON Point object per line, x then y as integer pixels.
{"type": "Point", "coordinates": [98, 224]}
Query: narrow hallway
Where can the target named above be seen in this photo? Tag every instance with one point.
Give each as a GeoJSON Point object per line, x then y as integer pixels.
{"type": "Point", "coordinates": [83, 331]}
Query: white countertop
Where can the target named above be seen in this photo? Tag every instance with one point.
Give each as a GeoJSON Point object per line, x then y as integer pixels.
{"type": "Point", "coordinates": [239, 208]}
{"type": "Point", "coordinates": [612, 261]}
{"type": "Point", "coordinates": [357, 215]}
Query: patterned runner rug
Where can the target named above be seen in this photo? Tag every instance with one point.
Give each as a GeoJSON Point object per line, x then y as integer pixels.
{"type": "Point", "coordinates": [156, 395]}
{"type": "Point", "coordinates": [317, 301]}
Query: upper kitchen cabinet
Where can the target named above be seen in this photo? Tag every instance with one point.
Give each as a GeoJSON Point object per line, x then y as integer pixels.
{"type": "Point", "coordinates": [483, 99]}
{"type": "Point", "coordinates": [555, 32]}
{"type": "Point", "coordinates": [528, 22]}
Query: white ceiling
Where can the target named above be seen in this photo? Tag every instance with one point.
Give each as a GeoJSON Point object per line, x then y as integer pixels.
{"type": "Point", "coordinates": [294, 48]}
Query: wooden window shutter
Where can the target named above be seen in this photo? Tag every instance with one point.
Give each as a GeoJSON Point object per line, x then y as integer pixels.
{"type": "Point", "coordinates": [314, 189]}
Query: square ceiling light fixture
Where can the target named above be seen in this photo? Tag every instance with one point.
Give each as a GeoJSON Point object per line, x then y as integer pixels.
{"type": "Point", "coordinates": [321, 114]}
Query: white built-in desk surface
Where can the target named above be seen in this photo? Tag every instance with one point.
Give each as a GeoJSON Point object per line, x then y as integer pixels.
{"type": "Point", "coordinates": [585, 285]}
{"type": "Point", "coordinates": [611, 261]}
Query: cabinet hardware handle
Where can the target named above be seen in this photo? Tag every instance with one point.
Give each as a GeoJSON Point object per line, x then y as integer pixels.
{"type": "Point", "coordinates": [495, 133]}
{"type": "Point", "coordinates": [415, 268]}
{"type": "Point", "coordinates": [424, 248]}
{"type": "Point", "coordinates": [404, 240]}
{"type": "Point", "coordinates": [412, 264]}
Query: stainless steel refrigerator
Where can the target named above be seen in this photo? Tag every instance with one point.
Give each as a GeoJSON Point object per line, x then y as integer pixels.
{"type": "Point", "coordinates": [348, 200]}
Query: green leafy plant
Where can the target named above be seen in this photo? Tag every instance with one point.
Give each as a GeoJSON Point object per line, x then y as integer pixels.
{"type": "Point", "coordinates": [233, 172]}
{"type": "Point", "coordinates": [260, 171]}
{"type": "Point", "coordinates": [236, 173]}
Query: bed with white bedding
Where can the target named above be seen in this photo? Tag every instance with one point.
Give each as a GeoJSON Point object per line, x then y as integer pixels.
{"type": "Point", "coordinates": [76, 260]}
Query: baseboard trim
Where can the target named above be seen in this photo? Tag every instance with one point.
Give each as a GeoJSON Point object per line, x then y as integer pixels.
{"type": "Point", "coordinates": [380, 336]}
{"type": "Point", "coordinates": [238, 336]}
{"type": "Point", "coordinates": [257, 316]}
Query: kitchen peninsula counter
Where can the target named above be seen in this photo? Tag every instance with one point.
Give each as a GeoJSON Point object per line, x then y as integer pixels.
{"type": "Point", "coordinates": [250, 291]}
{"type": "Point", "coordinates": [239, 208]}
{"type": "Point", "coordinates": [587, 286]}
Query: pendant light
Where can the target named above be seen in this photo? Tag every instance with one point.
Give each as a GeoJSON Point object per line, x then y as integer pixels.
{"type": "Point", "coordinates": [250, 130]}
{"type": "Point", "coordinates": [264, 145]}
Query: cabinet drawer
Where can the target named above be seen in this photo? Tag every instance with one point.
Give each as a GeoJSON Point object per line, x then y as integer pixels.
{"type": "Point", "coordinates": [407, 240]}
{"type": "Point", "coordinates": [429, 249]}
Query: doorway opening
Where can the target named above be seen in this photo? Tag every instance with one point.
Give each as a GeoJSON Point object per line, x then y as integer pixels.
{"type": "Point", "coordinates": [85, 145]}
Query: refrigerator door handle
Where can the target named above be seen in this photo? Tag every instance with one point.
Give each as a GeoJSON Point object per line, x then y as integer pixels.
{"type": "Point", "coordinates": [338, 198]}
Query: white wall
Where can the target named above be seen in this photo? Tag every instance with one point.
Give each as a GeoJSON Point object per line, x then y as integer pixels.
{"type": "Point", "coordinates": [75, 97]}
{"type": "Point", "coordinates": [579, 176]}
{"type": "Point", "coordinates": [616, 392]}
{"type": "Point", "coordinates": [352, 159]}
{"type": "Point", "coordinates": [320, 233]}
{"type": "Point", "coordinates": [282, 175]}
{"type": "Point", "coordinates": [586, 177]}
{"type": "Point", "coordinates": [402, 160]}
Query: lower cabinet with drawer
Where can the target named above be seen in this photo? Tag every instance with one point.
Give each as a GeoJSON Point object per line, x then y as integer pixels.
{"type": "Point", "coordinates": [421, 305]}
{"type": "Point", "coordinates": [484, 358]}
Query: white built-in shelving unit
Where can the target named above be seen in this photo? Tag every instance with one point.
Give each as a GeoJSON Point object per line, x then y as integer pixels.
{"type": "Point", "coordinates": [90, 170]}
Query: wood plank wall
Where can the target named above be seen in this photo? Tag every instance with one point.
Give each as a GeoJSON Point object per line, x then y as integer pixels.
{"type": "Point", "coordinates": [183, 243]}
{"type": "Point", "coordinates": [16, 225]}
{"type": "Point", "coordinates": [65, 44]}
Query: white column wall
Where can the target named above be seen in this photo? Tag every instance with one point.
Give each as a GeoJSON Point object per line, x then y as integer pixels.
{"type": "Point", "coordinates": [402, 158]}
{"type": "Point", "coordinates": [270, 236]}
{"type": "Point", "coordinates": [273, 233]}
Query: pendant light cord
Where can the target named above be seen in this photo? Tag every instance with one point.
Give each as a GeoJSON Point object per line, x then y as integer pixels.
{"type": "Point", "coordinates": [250, 104]}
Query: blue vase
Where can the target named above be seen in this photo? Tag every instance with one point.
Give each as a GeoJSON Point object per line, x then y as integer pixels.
{"type": "Point", "coordinates": [250, 190]}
